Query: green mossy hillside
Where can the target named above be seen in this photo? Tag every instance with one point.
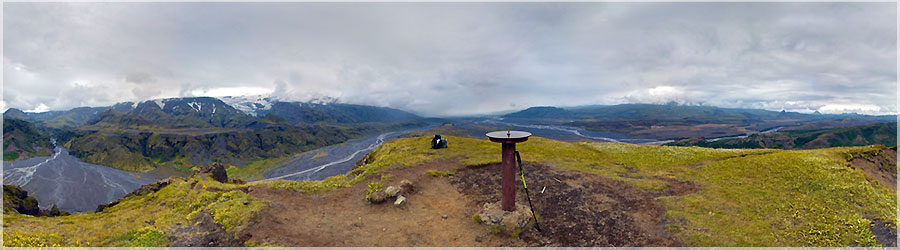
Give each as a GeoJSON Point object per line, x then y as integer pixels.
{"type": "Point", "coordinates": [185, 149]}
{"type": "Point", "coordinates": [145, 220]}
{"type": "Point", "coordinates": [746, 197]}
{"type": "Point", "coordinates": [22, 140]}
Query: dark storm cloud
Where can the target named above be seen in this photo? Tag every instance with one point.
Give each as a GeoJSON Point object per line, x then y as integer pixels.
{"type": "Point", "coordinates": [457, 58]}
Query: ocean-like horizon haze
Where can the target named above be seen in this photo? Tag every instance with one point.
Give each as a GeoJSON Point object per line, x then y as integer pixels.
{"type": "Point", "coordinates": [449, 59]}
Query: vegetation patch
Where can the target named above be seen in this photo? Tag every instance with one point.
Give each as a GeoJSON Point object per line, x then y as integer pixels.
{"type": "Point", "coordinates": [10, 156]}
{"type": "Point", "coordinates": [144, 237]}
{"type": "Point", "coordinates": [435, 173]}
{"type": "Point", "coordinates": [373, 189]}
{"type": "Point", "coordinates": [256, 169]}
{"type": "Point", "coordinates": [319, 155]}
{"type": "Point", "coordinates": [126, 224]}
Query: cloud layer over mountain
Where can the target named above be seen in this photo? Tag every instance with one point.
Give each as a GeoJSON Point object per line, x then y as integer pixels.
{"type": "Point", "coordinates": [456, 58]}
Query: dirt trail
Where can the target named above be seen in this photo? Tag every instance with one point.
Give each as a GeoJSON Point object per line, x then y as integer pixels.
{"type": "Point", "coordinates": [577, 209]}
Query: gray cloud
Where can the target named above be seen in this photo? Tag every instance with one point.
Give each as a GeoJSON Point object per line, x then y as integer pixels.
{"type": "Point", "coordinates": [457, 58]}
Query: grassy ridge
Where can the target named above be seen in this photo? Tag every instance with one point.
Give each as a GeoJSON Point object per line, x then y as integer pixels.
{"type": "Point", "coordinates": [746, 197]}
{"type": "Point", "coordinates": [145, 220]}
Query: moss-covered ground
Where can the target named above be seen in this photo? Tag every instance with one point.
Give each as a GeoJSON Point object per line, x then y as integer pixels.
{"type": "Point", "coordinates": [146, 220]}
{"type": "Point", "coordinates": [746, 197]}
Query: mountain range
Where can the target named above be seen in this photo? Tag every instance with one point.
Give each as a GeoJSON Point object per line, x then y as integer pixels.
{"type": "Point", "coordinates": [183, 133]}
{"type": "Point", "coordinates": [672, 121]}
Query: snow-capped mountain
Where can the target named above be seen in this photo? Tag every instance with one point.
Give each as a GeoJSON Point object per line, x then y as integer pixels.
{"type": "Point", "coordinates": [250, 105]}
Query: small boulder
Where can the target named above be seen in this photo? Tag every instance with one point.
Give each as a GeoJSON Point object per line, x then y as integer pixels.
{"type": "Point", "coordinates": [406, 186]}
{"type": "Point", "coordinates": [400, 201]}
{"type": "Point", "coordinates": [216, 171]}
{"type": "Point", "coordinates": [392, 191]}
{"type": "Point", "coordinates": [54, 211]}
{"type": "Point", "coordinates": [376, 197]}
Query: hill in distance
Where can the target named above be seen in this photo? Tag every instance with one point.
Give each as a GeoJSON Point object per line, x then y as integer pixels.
{"type": "Point", "coordinates": [870, 134]}
{"type": "Point", "coordinates": [672, 121]}
{"type": "Point", "coordinates": [22, 140]}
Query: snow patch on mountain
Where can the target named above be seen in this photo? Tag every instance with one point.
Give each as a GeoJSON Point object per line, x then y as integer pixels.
{"type": "Point", "coordinates": [196, 106]}
{"type": "Point", "coordinates": [323, 100]}
{"type": "Point", "coordinates": [161, 103]}
{"type": "Point", "coordinates": [249, 104]}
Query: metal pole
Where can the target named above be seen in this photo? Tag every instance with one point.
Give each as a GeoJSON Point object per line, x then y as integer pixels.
{"type": "Point", "coordinates": [508, 201]}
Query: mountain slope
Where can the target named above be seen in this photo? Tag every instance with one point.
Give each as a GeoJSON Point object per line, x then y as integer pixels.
{"type": "Point", "coordinates": [876, 133]}
{"type": "Point", "coordinates": [542, 113]}
{"type": "Point", "coordinates": [21, 140]}
{"type": "Point", "coordinates": [671, 121]}
{"type": "Point", "coordinates": [298, 112]}
{"type": "Point", "coordinates": [674, 112]}
{"type": "Point", "coordinates": [183, 149]}
{"type": "Point", "coordinates": [192, 112]}
{"type": "Point", "coordinates": [66, 119]}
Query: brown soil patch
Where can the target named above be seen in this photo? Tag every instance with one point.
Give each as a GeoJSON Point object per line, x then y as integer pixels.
{"type": "Point", "coordinates": [576, 209]}
{"type": "Point", "coordinates": [344, 218]}
{"type": "Point", "coordinates": [882, 167]}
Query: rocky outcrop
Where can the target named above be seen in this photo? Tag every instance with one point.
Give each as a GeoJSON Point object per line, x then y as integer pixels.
{"type": "Point", "coordinates": [16, 199]}
{"type": "Point", "coordinates": [215, 171]}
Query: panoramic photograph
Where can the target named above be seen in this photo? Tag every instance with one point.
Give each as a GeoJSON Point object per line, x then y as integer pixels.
{"type": "Point", "coordinates": [435, 124]}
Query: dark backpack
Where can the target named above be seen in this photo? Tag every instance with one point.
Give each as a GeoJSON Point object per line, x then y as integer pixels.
{"type": "Point", "coordinates": [438, 142]}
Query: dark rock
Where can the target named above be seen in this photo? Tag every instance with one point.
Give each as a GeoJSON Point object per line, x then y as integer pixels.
{"type": "Point", "coordinates": [204, 232]}
{"type": "Point", "coordinates": [54, 211]}
{"type": "Point", "coordinates": [101, 207]}
{"type": "Point", "coordinates": [17, 199]}
{"type": "Point", "coordinates": [216, 171]}
{"type": "Point", "coordinates": [407, 187]}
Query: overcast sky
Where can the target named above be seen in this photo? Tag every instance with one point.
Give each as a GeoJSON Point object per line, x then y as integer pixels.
{"type": "Point", "coordinates": [456, 58]}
